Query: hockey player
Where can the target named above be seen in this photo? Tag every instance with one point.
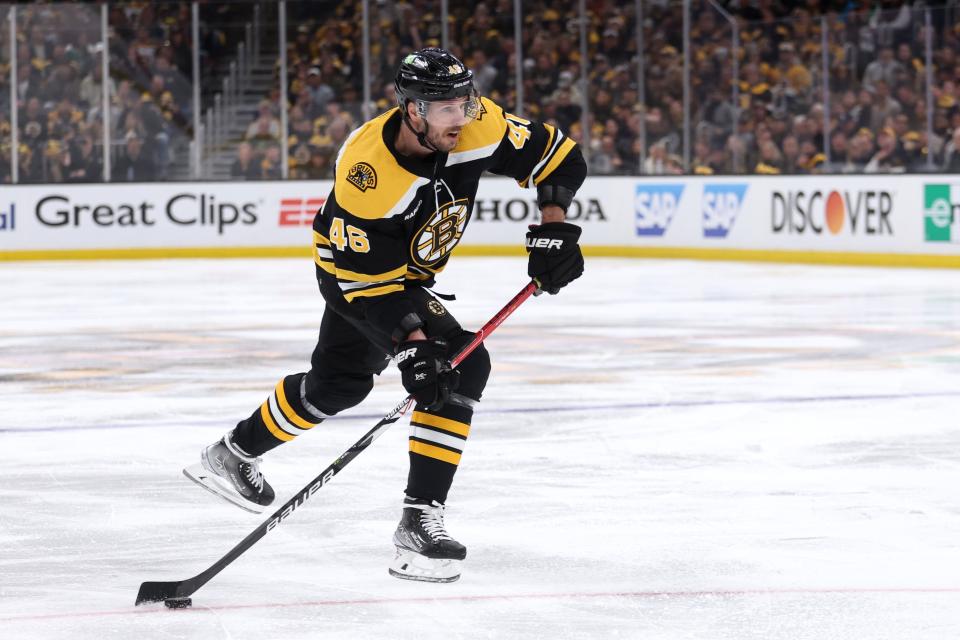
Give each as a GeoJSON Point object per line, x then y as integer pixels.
{"type": "Point", "coordinates": [404, 189]}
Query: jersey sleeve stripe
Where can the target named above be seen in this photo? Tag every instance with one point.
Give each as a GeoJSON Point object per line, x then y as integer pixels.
{"type": "Point", "coordinates": [353, 286]}
{"type": "Point", "coordinates": [565, 148]}
{"type": "Point", "coordinates": [553, 139]}
{"type": "Point", "coordinates": [320, 240]}
{"type": "Point", "coordinates": [430, 420]}
{"type": "Point", "coordinates": [375, 291]}
{"type": "Point", "coordinates": [432, 451]}
{"type": "Point", "coordinates": [345, 274]}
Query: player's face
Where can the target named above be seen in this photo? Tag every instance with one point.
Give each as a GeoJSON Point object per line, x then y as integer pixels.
{"type": "Point", "coordinates": [447, 118]}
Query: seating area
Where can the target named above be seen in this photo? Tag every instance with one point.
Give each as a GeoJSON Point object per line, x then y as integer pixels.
{"type": "Point", "coordinates": [873, 93]}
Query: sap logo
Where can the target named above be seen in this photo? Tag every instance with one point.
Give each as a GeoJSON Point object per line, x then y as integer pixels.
{"type": "Point", "coordinates": [721, 204]}
{"type": "Point", "coordinates": [655, 206]}
{"type": "Point", "coordinates": [299, 212]}
{"type": "Point", "coordinates": [8, 219]}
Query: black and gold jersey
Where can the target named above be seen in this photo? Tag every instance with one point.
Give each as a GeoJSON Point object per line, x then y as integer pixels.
{"type": "Point", "coordinates": [392, 221]}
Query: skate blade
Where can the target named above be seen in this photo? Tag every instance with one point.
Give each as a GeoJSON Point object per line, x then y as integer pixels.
{"type": "Point", "coordinates": [413, 566]}
{"type": "Point", "coordinates": [212, 483]}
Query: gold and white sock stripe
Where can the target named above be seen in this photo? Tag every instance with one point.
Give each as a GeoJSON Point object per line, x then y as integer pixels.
{"type": "Point", "coordinates": [281, 420]}
{"type": "Point", "coordinates": [438, 437]}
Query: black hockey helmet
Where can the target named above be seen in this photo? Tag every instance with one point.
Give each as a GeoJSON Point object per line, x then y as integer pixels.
{"type": "Point", "coordinates": [432, 74]}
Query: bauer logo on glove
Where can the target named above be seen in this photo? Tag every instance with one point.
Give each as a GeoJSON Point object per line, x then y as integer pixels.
{"type": "Point", "coordinates": [555, 258]}
{"type": "Point", "coordinates": [544, 243]}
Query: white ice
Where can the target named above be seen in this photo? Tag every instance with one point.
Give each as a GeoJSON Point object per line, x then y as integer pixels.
{"type": "Point", "coordinates": [665, 450]}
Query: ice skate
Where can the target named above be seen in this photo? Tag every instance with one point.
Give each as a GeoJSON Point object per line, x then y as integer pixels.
{"type": "Point", "coordinates": [425, 551]}
{"type": "Point", "coordinates": [227, 471]}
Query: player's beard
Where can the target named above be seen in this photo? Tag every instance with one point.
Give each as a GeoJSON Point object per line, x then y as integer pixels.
{"type": "Point", "coordinates": [442, 138]}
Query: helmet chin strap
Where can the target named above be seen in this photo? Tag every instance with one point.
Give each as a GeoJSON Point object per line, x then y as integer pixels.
{"type": "Point", "coordinates": [421, 136]}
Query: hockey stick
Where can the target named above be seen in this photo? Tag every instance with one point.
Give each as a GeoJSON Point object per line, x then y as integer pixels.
{"type": "Point", "coordinates": [182, 589]}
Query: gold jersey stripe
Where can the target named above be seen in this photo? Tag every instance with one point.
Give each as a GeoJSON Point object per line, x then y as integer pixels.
{"type": "Point", "coordinates": [272, 427]}
{"type": "Point", "coordinates": [551, 134]}
{"type": "Point", "coordinates": [345, 274]}
{"type": "Point", "coordinates": [326, 265]}
{"type": "Point", "coordinates": [319, 239]}
{"type": "Point", "coordinates": [565, 147]}
{"type": "Point", "coordinates": [430, 420]}
{"type": "Point", "coordinates": [437, 453]}
{"type": "Point", "coordinates": [369, 293]}
{"type": "Point", "coordinates": [288, 411]}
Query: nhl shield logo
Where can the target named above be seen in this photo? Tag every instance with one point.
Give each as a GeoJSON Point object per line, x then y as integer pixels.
{"type": "Point", "coordinates": [362, 176]}
{"type": "Point", "coordinates": [437, 238]}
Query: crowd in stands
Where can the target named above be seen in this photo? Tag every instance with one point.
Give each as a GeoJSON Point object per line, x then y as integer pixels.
{"type": "Point", "coordinates": [873, 96]}
{"type": "Point", "coordinates": [59, 88]}
{"type": "Point", "coordinates": [874, 88]}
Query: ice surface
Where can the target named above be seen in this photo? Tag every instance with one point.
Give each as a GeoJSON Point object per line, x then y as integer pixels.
{"type": "Point", "coordinates": [665, 450]}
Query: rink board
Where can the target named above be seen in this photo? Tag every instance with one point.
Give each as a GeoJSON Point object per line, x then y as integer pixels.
{"type": "Point", "coordinates": [882, 220]}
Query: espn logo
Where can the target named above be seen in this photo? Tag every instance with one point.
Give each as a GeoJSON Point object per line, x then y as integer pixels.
{"type": "Point", "coordinates": [299, 212]}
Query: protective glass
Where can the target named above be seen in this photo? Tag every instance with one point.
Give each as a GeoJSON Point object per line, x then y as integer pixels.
{"type": "Point", "coordinates": [450, 113]}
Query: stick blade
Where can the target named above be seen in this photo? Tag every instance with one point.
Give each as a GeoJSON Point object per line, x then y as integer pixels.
{"type": "Point", "coordinates": [160, 591]}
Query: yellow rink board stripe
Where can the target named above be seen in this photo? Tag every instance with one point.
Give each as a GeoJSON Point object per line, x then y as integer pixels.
{"type": "Point", "coordinates": [681, 253]}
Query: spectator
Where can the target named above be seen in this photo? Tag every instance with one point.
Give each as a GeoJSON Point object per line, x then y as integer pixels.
{"type": "Point", "coordinates": [320, 166]}
{"type": "Point", "coordinates": [337, 131]}
{"type": "Point", "coordinates": [605, 158]}
{"type": "Point", "coordinates": [245, 167]}
{"type": "Point", "coordinates": [655, 164]}
{"type": "Point", "coordinates": [770, 161]}
{"type": "Point", "coordinates": [29, 165]}
{"type": "Point", "coordinates": [951, 155]}
{"type": "Point", "coordinates": [791, 161]}
{"type": "Point", "coordinates": [914, 153]}
{"type": "Point", "coordinates": [135, 164]}
{"type": "Point", "coordinates": [81, 164]}
{"type": "Point", "coordinates": [265, 129]}
{"type": "Point", "coordinates": [320, 92]}
{"type": "Point", "coordinates": [883, 69]}
{"type": "Point", "coordinates": [888, 158]}
{"type": "Point", "coordinates": [484, 73]}
{"type": "Point", "coordinates": [270, 168]}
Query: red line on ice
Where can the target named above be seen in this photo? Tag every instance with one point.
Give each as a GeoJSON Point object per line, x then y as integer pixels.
{"type": "Point", "coordinates": [480, 598]}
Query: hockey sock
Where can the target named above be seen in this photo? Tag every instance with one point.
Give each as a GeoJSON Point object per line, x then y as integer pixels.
{"type": "Point", "coordinates": [437, 439]}
{"type": "Point", "coordinates": [282, 417]}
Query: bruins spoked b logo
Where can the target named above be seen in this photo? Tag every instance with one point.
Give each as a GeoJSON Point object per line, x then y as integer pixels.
{"type": "Point", "coordinates": [436, 308]}
{"type": "Point", "coordinates": [437, 238]}
{"type": "Point", "coordinates": [362, 176]}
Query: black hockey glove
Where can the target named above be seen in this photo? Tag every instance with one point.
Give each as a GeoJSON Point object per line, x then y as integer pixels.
{"type": "Point", "coordinates": [555, 258]}
{"type": "Point", "coordinates": [425, 371]}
